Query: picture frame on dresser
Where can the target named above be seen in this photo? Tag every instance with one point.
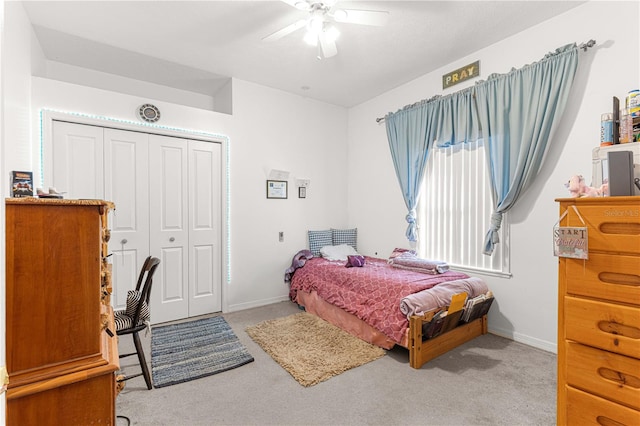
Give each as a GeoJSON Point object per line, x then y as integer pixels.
{"type": "Point", "coordinates": [21, 184]}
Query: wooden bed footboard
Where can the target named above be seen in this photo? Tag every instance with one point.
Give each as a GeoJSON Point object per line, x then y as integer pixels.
{"type": "Point", "coordinates": [422, 351]}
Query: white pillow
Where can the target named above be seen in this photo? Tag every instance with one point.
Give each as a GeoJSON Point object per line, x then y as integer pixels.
{"type": "Point", "coordinates": [339, 252]}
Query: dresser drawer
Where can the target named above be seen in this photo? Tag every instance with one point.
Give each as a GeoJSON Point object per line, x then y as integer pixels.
{"type": "Point", "coordinates": [585, 409]}
{"type": "Point", "coordinates": [77, 399]}
{"type": "Point", "coordinates": [614, 227]}
{"type": "Point", "coordinates": [607, 326]}
{"type": "Point", "coordinates": [612, 376]}
{"type": "Point", "coordinates": [605, 276]}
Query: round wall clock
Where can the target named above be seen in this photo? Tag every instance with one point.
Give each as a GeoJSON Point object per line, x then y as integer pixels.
{"type": "Point", "coordinates": [149, 113]}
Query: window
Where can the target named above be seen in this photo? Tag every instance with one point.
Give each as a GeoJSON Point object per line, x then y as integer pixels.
{"type": "Point", "coordinates": [454, 211]}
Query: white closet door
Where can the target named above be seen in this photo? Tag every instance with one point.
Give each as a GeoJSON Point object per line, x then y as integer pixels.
{"type": "Point", "coordinates": [168, 197]}
{"type": "Point", "coordinates": [127, 185]}
{"type": "Point", "coordinates": [168, 227]}
{"type": "Point", "coordinates": [205, 233]}
{"type": "Point", "coordinates": [77, 167]}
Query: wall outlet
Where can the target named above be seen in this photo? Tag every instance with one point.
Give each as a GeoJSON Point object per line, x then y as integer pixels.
{"type": "Point", "coordinates": [281, 236]}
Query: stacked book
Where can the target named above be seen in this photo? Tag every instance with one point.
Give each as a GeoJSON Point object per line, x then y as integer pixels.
{"type": "Point", "coordinates": [477, 307]}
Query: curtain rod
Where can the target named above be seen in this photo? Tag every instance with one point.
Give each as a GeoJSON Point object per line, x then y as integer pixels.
{"type": "Point", "coordinates": [584, 46]}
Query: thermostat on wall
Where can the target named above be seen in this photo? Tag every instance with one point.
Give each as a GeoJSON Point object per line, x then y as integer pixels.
{"type": "Point", "coordinates": [149, 113]}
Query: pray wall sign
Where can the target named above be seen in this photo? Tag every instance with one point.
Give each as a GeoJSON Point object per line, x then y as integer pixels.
{"type": "Point", "coordinates": [461, 74]}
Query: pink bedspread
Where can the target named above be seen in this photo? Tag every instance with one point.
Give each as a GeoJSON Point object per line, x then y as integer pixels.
{"type": "Point", "coordinates": [372, 293]}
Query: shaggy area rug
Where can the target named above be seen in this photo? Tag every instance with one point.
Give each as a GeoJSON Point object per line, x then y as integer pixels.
{"type": "Point", "coordinates": [311, 349]}
{"type": "Point", "coordinates": [194, 349]}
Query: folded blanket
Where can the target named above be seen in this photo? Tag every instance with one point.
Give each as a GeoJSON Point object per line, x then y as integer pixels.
{"type": "Point", "coordinates": [298, 262]}
{"type": "Point", "coordinates": [411, 261]}
{"type": "Point", "coordinates": [440, 295]}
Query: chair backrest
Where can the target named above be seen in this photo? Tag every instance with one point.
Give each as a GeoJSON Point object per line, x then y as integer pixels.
{"type": "Point", "coordinates": [145, 280]}
{"type": "Point", "coordinates": [145, 268]}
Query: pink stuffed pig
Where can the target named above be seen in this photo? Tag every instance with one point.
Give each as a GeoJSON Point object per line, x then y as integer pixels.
{"type": "Point", "coordinates": [578, 188]}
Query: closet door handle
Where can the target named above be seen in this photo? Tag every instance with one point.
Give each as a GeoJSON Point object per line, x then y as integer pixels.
{"type": "Point", "coordinates": [124, 241]}
{"type": "Point", "coordinates": [172, 239]}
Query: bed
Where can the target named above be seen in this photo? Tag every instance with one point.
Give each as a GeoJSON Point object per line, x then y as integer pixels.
{"type": "Point", "coordinates": [388, 305]}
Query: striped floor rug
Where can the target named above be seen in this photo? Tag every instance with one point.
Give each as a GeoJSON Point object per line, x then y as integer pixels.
{"type": "Point", "coordinates": [191, 350]}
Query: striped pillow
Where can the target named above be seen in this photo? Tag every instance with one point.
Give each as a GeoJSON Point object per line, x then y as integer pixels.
{"type": "Point", "coordinates": [133, 298]}
{"type": "Point", "coordinates": [319, 239]}
{"type": "Point", "coordinates": [345, 236]}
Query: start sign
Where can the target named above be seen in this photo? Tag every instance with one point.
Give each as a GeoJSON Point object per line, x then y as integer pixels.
{"type": "Point", "coordinates": [465, 73]}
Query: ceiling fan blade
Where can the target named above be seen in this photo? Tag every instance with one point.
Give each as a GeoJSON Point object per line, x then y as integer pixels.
{"type": "Point", "coordinates": [298, 4]}
{"type": "Point", "coordinates": [329, 48]}
{"type": "Point", "coordinates": [363, 17]}
{"type": "Point", "coordinates": [286, 30]}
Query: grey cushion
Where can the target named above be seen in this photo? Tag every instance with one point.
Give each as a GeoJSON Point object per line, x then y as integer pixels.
{"type": "Point", "coordinates": [319, 239]}
{"type": "Point", "coordinates": [345, 236]}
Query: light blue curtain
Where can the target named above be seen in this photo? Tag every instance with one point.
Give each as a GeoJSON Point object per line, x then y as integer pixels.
{"type": "Point", "coordinates": [517, 112]}
{"type": "Point", "coordinates": [411, 133]}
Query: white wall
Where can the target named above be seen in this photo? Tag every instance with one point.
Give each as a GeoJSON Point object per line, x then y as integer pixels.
{"type": "Point", "coordinates": [15, 151]}
{"type": "Point", "coordinates": [526, 305]}
{"type": "Point", "coordinates": [101, 80]}
{"type": "Point", "coordinates": [269, 129]}
{"type": "Point", "coordinates": [275, 130]}
{"type": "Point", "coordinates": [16, 92]}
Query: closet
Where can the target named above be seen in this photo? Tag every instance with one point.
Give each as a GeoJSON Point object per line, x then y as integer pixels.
{"type": "Point", "coordinates": [167, 192]}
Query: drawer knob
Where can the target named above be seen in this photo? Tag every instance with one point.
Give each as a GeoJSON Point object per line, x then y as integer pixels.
{"type": "Point", "coordinates": [606, 421]}
{"type": "Point", "coordinates": [620, 378]}
{"type": "Point", "coordinates": [617, 329]}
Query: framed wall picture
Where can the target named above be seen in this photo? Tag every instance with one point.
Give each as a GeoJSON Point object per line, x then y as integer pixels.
{"type": "Point", "coordinates": [302, 192]}
{"type": "Point", "coordinates": [277, 189]}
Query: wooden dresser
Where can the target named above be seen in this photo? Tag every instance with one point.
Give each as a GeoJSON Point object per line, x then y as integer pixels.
{"type": "Point", "coordinates": [61, 347]}
{"type": "Point", "coordinates": [599, 316]}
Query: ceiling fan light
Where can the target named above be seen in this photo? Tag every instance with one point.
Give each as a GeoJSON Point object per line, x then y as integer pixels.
{"type": "Point", "coordinates": [301, 5]}
{"type": "Point", "coordinates": [331, 33]}
{"type": "Point", "coordinates": [311, 38]}
{"type": "Point", "coordinates": [315, 24]}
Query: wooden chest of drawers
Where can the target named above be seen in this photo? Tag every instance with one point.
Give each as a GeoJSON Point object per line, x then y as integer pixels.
{"type": "Point", "coordinates": [599, 316]}
{"type": "Point", "coordinates": [61, 347]}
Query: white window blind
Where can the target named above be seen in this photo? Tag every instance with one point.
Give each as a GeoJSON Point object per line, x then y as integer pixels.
{"type": "Point", "coordinates": [454, 211]}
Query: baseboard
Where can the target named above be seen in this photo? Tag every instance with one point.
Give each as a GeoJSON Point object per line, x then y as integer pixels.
{"type": "Point", "coordinates": [525, 339]}
{"type": "Point", "coordinates": [256, 303]}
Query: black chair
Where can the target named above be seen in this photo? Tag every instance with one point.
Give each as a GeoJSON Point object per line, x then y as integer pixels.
{"type": "Point", "coordinates": [135, 317]}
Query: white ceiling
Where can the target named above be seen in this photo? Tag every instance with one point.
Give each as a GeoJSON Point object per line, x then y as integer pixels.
{"type": "Point", "coordinates": [197, 45]}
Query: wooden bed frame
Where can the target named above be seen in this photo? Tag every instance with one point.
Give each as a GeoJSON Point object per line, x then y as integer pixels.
{"type": "Point", "coordinates": [421, 352]}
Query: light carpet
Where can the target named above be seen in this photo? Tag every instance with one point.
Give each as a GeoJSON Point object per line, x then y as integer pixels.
{"type": "Point", "coordinates": [194, 349]}
{"type": "Point", "coordinates": [311, 349]}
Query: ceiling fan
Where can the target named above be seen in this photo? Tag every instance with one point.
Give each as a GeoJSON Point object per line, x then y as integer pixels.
{"type": "Point", "coordinates": [321, 31]}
